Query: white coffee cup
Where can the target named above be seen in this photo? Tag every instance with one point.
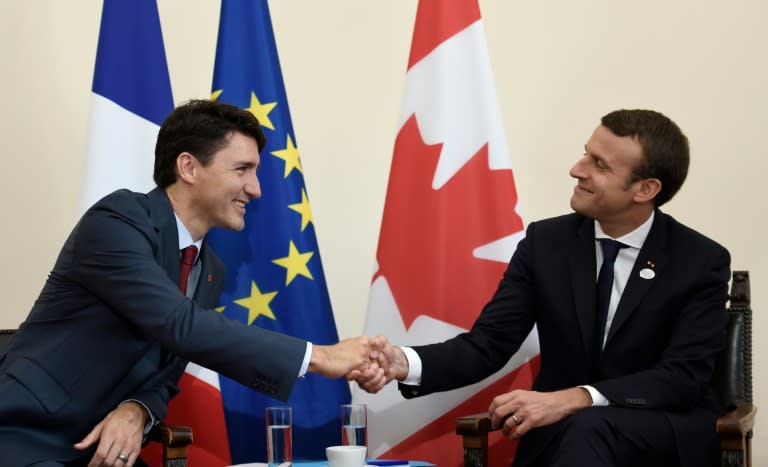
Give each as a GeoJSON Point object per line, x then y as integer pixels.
{"type": "Point", "coordinates": [346, 456]}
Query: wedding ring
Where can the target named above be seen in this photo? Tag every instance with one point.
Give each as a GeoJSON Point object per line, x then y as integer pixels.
{"type": "Point", "coordinates": [517, 420]}
{"type": "Point", "coordinates": [122, 457]}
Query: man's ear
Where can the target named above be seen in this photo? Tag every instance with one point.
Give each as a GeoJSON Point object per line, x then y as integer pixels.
{"type": "Point", "coordinates": [186, 167]}
{"type": "Point", "coordinates": [649, 188]}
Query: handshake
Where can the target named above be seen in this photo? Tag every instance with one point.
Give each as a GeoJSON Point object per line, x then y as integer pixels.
{"type": "Point", "coordinates": [371, 362]}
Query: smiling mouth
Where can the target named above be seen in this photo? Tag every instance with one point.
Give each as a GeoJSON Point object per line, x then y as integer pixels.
{"type": "Point", "coordinates": [240, 204]}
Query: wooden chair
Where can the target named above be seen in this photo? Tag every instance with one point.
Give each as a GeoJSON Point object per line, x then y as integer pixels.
{"type": "Point", "coordinates": [732, 381]}
{"type": "Point", "coordinates": [174, 439]}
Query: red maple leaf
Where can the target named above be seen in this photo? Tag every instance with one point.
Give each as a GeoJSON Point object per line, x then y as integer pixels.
{"type": "Point", "coordinates": [427, 235]}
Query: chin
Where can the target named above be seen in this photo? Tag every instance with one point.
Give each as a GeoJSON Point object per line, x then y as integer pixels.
{"type": "Point", "coordinates": [580, 209]}
{"type": "Point", "coordinates": [574, 204]}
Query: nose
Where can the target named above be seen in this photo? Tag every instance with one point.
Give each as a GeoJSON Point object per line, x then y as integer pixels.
{"type": "Point", "coordinates": [253, 187]}
{"type": "Point", "coordinates": [578, 169]}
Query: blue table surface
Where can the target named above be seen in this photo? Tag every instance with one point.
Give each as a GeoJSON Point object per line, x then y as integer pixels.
{"type": "Point", "coordinates": [325, 464]}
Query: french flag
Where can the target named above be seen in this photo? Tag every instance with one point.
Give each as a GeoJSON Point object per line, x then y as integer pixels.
{"type": "Point", "coordinates": [449, 228]}
{"type": "Point", "coordinates": [131, 98]}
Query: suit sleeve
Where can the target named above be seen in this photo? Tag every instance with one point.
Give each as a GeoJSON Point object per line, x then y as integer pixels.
{"type": "Point", "coordinates": [115, 250]}
{"type": "Point", "coordinates": [157, 392]}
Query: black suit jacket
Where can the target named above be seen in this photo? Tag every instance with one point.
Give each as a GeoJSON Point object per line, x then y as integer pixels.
{"type": "Point", "coordinates": [111, 324]}
{"type": "Point", "coordinates": [660, 351]}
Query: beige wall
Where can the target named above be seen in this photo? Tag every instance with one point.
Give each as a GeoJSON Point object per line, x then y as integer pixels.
{"type": "Point", "coordinates": [559, 66]}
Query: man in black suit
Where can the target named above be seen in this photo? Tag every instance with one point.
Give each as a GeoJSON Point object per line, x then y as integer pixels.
{"type": "Point", "coordinates": [95, 363]}
{"type": "Point", "coordinates": [632, 388]}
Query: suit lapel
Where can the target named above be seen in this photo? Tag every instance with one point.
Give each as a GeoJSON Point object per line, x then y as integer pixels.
{"type": "Point", "coordinates": [652, 257]}
{"type": "Point", "coordinates": [583, 273]}
{"type": "Point", "coordinates": [211, 278]}
{"type": "Point", "coordinates": [162, 216]}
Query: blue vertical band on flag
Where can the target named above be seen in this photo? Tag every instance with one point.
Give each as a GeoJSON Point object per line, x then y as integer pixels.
{"type": "Point", "coordinates": [275, 276]}
{"type": "Point", "coordinates": [131, 68]}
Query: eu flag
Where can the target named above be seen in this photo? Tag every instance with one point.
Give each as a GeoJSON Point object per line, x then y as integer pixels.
{"type": "Point", "coordinates": [275, 276]}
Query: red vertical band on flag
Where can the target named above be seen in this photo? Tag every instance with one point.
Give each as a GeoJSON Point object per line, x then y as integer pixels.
{"type": "Point", "coordinates": [436, 21]}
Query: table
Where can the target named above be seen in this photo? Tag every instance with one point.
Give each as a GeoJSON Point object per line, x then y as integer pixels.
{"type": "Point", "coordinates": [325, 464]}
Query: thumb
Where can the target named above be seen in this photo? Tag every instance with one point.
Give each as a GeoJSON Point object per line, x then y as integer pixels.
{"type": "Point", "coordinates": [91, 438]}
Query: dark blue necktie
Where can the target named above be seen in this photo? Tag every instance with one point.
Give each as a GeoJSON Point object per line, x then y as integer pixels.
{"type": "Point", "coordinates": [604, 287]}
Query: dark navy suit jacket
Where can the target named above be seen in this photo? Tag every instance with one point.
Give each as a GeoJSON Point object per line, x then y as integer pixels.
{"type": "Point", "coordinates": [660, 351]}
{"type": "Point", "coordinates": [111, 324]}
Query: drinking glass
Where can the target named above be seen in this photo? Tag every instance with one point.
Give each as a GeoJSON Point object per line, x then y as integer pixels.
{"type": "Point", "coordinates": [279, 436]}
{"type": "Point", "coordinates": [354, 425]}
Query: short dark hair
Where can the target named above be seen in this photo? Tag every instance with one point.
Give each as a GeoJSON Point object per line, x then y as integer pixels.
{"type": "Point", "coordinates": [666, 154]}
{"type": "Point", "coordinates": [201, 128]}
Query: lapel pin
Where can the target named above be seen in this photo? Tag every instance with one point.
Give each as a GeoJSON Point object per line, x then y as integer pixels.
{"type": "Point", "coordinates": [210, 277]}
{"type": "Point", "coordinates": [647, 273]}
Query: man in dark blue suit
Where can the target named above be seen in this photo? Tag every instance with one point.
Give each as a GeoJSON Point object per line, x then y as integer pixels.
{"type": "Point", "coordinates": [93, 366]}
{"type": "Point", "coordinates": [631, 388]}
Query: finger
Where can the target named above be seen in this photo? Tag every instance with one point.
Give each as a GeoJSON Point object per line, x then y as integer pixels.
{"type": "Point", "coordinates": [359, 376]}
{"type": "Point", "coordinates": [375, 349]}
{"type": "Point", "coordinates": [502, 413]}
{"type": "Point", "coordinates": [500, 400]}
{"type": "Point", "coordinates": [123, 458]}
{"type": "Point", "coordinates": [371, 373]}
{"type": "Point", "coordinates": [374, 386]}
{"type": "Point", "coordinates": [375, 382]}
{"type": "Point", "coordinates": [90, 438]}
{"type": "Point", "coordinates": [99, 458]}
{"type": "Point", "coordinates": [106, 453]}
{"type": "Point", "coordinates": [384, 362]}
{"type": "Point", "coordinates": [511, 429]}
{"type": "Point", "coordinates": [117, 457]}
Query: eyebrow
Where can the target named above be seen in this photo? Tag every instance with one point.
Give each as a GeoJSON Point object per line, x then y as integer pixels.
{"type": "Point", "coordinates": [248, 164]}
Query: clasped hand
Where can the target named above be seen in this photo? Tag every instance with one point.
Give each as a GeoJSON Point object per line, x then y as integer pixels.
{"type": "Point", "coordinates": [356, 358]}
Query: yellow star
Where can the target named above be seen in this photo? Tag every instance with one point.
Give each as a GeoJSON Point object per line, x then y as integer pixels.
{"type": "Point", "coordinates": [257, 303]}
{"type": "Point", "coordinates": [261, 111]}
{"type": "Point", "coordinates": [215, 94]}
{"type": "Point", "coordinates": [295, 263]}
{"type": "Point", "coordinates": [303, 209]}
{"type": "Point", "coordinates": [290, 155]}
{"type": "Point", "coordinates": [219, 309]}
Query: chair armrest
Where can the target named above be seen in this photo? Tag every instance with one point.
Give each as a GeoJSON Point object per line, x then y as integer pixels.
{"type": "Point", "coordinates": [738, 422]}
{"type": "Point", "coordinates": [474, 431]}
{"type": "Point", "coordinates": [474, 425]}
{"type": "Point", "coordinates": [175, 440]}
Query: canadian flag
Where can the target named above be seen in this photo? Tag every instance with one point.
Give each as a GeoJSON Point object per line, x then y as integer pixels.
{"type": "Point", "coordinates": [450, 226]}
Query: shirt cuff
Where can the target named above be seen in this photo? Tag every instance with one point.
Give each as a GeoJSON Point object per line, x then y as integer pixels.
{"type": "Point", "coordinates": [414, 367]}
{"type": "Point", "coordinates": [151, 420]}
{"type": "Point", "coordinates": [598, 400]}
{"type": "Point", "coordinates": [307, 358]}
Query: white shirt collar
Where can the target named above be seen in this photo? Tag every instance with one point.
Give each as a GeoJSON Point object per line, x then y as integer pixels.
{"type": "Point", "coordinates": [185, 238]}
{"type": "Point", "coordinates": [635, 239]}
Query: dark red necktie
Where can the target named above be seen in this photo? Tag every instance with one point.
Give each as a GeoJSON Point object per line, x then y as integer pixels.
{"type": "Point", "coordinates": [188, 256]}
